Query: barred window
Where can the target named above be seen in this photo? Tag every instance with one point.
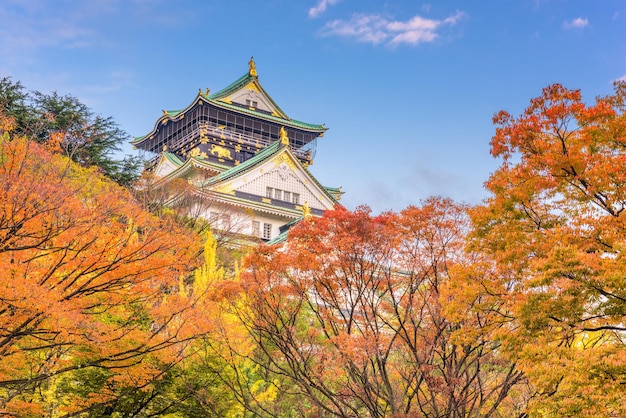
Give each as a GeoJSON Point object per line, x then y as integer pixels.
{"type": "Point", "coordinates": [283, 195]}
{"type": "Point", "coordinates": [267, 231]}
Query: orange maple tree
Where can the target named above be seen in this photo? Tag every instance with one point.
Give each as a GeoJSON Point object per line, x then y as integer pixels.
{"type": "Point", "coordinates": [556, 225]}
{"type": "Point", "coordinates": [85, 277]}
{"type": "Point", "coordinates": [380, 316]}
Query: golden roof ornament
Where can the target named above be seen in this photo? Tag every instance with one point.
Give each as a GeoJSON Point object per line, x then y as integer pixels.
{"type": "Point", "coordinates": [306, 210]}
{"type": "Point", "coordinates": [252, 69]}
{"type": "Point", "coordinates": [284, 139]}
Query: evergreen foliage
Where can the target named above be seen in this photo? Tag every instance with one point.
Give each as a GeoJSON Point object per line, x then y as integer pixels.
{"type": "Point", "coordinates": [87, 138]}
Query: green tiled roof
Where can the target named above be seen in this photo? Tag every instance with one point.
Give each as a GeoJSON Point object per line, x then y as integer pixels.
{"type": "Point", "coordinates": [137, 139]}
{"type": "Point", "coordinates": [334, 192]}
{"type": "Point", "coordinates": [261, 156]}
{"type": "Point", "coordinates": [261, 115]}
{"type": "Point", "coordinates": [173, 158]}
{"type": "Point", "coordinates": [242, 82]}
{"type": "Point", "coordinates": [240, 109]}
{"type": "Point", "coordinates": [282, 237]}
{"type": "Point", "coordinates": [217, 100]}
{"type": "Point", "coordinates": [232, 87]}
{"type": "Point", "coordinates": [211, 164]}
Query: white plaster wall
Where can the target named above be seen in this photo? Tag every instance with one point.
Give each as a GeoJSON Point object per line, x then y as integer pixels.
{"type": "Point", "coordinates": [240, 222]}
{"type": "Point", "coordinates": [164, 168]}
{"type": "Point", "coordinates": [283, 178]}
{"type": "Point", "coordinates": [243, 95]}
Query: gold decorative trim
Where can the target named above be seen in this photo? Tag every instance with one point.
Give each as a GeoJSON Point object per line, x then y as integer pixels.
{"type": "Point", "coordinates": [284, 158]}
{"type": "Point", "coordinates": [252, 86]}
{"type": "Point", "coordinates": [226, 189]}
{"type": "Point", "coordinates": [306, 210]}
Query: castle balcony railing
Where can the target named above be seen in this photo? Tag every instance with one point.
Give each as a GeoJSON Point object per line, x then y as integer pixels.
{"type": "Point", "coordinates": [208, 129]}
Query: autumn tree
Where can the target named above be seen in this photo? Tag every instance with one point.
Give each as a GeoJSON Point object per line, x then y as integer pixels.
{"type": "Point", "coordinates": [218, 365]}
{"type": "Point", "coordinates": [215, 376]}
{"type": "Point", "coordinates": [88, 303]}
{"type": "Point", "coordinates": [556, 225]}
{"type": "Point", "coordinates": [386, 315]}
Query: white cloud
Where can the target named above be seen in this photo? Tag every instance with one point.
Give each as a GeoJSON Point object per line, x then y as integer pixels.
{"type": "Point", "coordinates": [375, 29]}
{"type": "Point", "coordinates": [365, 28]}
{"type": "Point", "coordinates": [577, 23]}
{"type": "Point", "coordinates": [453, 20]}
{"type": "Point", "coordinates": [622, 78]}
{"type": "Point", "coordinates": [321, 7]}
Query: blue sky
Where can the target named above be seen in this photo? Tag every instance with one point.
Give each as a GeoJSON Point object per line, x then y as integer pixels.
{"type": "Point", "coordinates": [406, 88]}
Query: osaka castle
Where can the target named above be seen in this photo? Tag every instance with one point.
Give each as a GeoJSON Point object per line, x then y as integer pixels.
{"type": "Point", "coordinates": [244, 160]}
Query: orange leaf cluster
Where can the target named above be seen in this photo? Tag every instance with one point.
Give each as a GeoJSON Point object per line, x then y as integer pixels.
{"type": "Point", "coordinates": [85, 271]}
{"type": "Point", "coordinates": [556, 226]}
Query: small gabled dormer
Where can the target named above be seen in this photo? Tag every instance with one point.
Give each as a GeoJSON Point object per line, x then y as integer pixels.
{"type": "Point", "coordinates": [247, 92]}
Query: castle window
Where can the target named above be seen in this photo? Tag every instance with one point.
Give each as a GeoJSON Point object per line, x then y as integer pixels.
{"type": "Point", "coordinates": [283, 195]}
{"type": "Point", "coordinates": [267, 231]}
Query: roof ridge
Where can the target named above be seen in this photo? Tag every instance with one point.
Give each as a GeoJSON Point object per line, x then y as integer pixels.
{"type": "Point", "coordinates": [173, 158]}
{"type": "Point", "coordinates": [234, 86]}
{"type": "Point", "coordinates": [270, 117]}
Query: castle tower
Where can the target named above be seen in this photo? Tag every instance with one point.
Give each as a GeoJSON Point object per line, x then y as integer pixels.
{"type": "Point", "coordinates": [245, 158]}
